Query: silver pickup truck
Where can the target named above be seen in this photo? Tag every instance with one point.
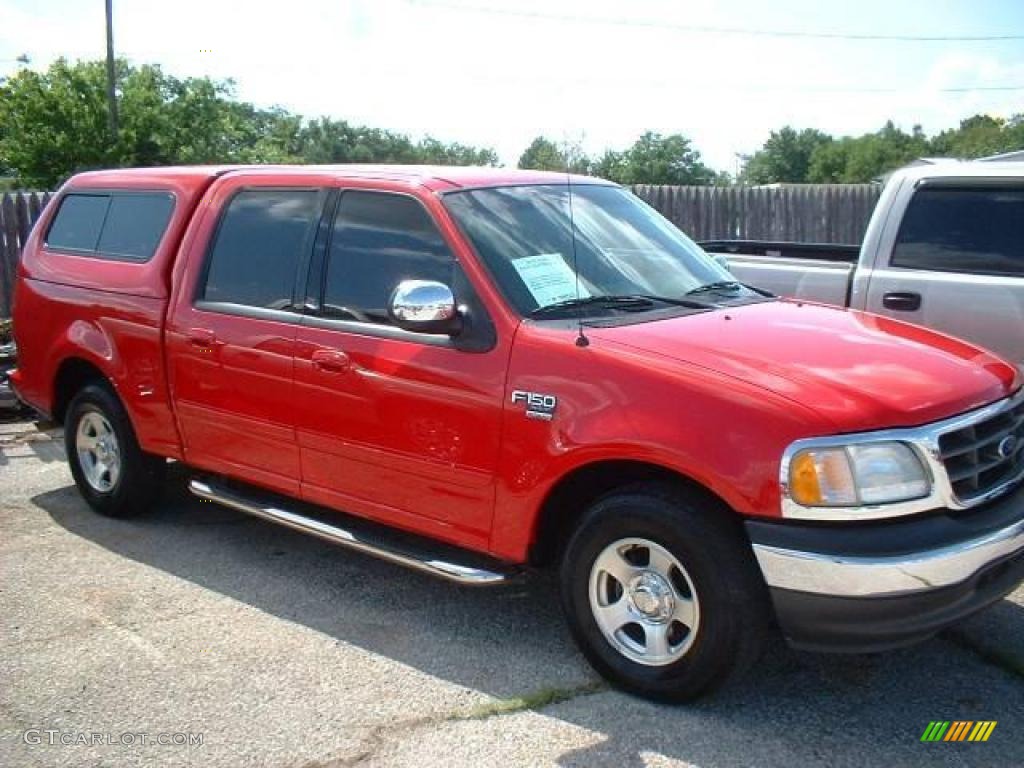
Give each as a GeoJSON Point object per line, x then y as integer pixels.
{"type": "Point", "coordinates": [944, 249]}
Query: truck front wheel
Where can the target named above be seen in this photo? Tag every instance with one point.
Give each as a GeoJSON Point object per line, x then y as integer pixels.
{"type": "Point", "coordinates": [662, 593]}
{"type": "Point", "coordinates": [112, 473]}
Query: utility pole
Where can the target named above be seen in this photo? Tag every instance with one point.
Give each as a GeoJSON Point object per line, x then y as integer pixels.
{"type": "Point", "coordinates": [111, 85]}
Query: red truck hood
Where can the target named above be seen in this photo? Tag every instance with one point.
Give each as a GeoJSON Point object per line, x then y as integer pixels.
{"type": "Point", "coordinates": [858, 370]}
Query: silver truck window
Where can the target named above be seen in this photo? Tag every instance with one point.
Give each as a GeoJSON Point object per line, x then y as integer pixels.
{"type": "Point", "coordinates": [978, 230]}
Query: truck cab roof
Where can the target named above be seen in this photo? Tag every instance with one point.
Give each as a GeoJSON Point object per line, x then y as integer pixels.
{"type": "Point", "coordinates": [954, 169]}
{"type": "Point", "coordinates": [435, 178]}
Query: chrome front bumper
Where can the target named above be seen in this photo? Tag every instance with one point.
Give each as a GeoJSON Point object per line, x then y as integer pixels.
{"type": "Point", "coordinates": [882, 584]}
{"type": "Point", "coordinates": [886, 575]}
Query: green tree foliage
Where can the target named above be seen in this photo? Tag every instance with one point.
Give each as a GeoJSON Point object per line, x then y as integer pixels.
{"type": "Point", "coordinates": [653, 159]}
{"type": "Point", "coordinates": [336, 141]}
{"type": "Point", "coordinates": [861, 159]}
{"type": "Point", "coordinates": [656, 159]}
{"type": "Point", "coordinates": [542, 155]}
{"type": "Point", "coordinates": [981, 135]}
{"type": "Point", "coordinates": [545, 155]}
{"type": "Point", "coordinates": [811, 156]}
{"type": "Point", "coordinates": [785, 156]}
{"type": "Point", "coordinates": [50, 123]}
{"type": "Point", "coordinates": [54, 123]}
{"type": "Point", "coordinates": [434, 152]}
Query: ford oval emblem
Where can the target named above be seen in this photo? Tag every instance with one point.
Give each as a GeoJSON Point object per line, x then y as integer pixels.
{"type": "Point", "coordinates": [1007, 446]}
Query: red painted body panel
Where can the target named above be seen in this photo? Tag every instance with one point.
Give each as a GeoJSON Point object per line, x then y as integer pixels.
{"type": "Point", "coordinates": [119, 334]}
{"type": "Point", "coordinates": [617, 402]}
{"type": "Point", "coordinates": [231, 376]}
{"type": "Point", "coordinates": [858, 370]}
{"type": "Point", "coordinates": [407, 433]}
{"type": "Point", "coordinates": [149, 279]}
{"type": "Point", "coordinates": [108, 313]}
{"type": "Point", "coordinates": [718, 396]}
{"type": "Point", "coordinates": [426, 437]}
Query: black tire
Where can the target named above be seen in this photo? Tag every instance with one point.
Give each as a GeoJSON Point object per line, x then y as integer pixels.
{"type": "Point", "coordinates": [734, 616]}
{"type": "Point", "coordinates": [141, 476]}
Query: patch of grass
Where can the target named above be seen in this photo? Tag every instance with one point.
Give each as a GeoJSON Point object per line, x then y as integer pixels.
{"type": "Point", "coordinates": [537, 700]}
{"type": "Point", "coordinates": [997, 657]}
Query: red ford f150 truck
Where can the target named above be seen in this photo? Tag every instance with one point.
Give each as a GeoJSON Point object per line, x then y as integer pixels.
{"type": "Point", "coordinates": [476, 371]}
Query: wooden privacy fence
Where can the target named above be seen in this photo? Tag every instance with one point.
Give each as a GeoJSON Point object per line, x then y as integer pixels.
{"type": "Point", "coordinates": [819, 213]}
{"type": "Point", "coordinates": [18, 211]}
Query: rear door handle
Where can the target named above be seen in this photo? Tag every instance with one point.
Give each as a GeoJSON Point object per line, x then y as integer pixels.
{"type": "Point", "coordinates": [202, 337]}
{"type": "Point", "coordinates": [902, 301]}
{"type": "Point", "coordinates": [331, 360]}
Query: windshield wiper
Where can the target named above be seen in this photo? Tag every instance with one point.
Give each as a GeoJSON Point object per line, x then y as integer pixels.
{"type": "Point", "coordinates": [634, 301]}
{"type": "Point", "coordinates": [691, 303]}
{"type": "Point", "coordinates": [727, 285]}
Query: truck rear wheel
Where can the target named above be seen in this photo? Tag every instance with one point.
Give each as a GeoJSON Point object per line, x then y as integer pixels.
{"type": "Point", "coordinates": [662, 594]}
{"type": "Point", "coordinates": [112, 473]}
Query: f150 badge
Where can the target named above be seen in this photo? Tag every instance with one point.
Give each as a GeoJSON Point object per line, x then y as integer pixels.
{"type": "Point", "coordinates": [538, 405]}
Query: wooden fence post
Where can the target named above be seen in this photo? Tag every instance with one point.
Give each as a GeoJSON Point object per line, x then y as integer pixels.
{"type": "Point", "coordinates": [18, 212]}
{"type": "Point", "coordinates": [822, 213]}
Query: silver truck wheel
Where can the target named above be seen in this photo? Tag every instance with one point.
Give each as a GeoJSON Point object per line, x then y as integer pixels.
{"type": "Point", "coordinates": [661, 591]}
{"type": "Point", "coordinates": [114, 475]}
{"type": "Point", "coordinates": [99, 454]}
{"type": "Point", "coordinates": [644, 601]}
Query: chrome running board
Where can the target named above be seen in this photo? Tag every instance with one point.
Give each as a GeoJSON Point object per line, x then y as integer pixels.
{"type": "Point", "coordinates": [368, 543]}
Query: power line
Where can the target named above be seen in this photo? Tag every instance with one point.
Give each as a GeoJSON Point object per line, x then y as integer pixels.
{"type": "Point", "coordinates": [490, 79]}
{"type": "Point", "coordinates": [969, 89]}
{"type": "Point", "coordinates": [711, 29]}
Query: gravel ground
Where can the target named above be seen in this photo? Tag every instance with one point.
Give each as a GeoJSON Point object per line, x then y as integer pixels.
{"type": "Point", "coordinates": [281, 650]}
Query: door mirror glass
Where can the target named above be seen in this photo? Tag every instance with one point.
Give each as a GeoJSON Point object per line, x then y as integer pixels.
{"type": "Point", "coordinates": [424, 306]}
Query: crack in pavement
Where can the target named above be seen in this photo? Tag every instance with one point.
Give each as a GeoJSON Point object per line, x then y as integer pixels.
{"type": "Point", "coordinates": [382, 735]}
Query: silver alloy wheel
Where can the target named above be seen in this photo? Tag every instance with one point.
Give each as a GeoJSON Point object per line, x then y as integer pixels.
{"type": "Point", "coordinates": [644, 601]}
{"type": "Point", "coordinates": [99, 455]}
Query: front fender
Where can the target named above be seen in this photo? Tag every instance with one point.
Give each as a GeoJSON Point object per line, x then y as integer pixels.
{"type": "Point", "coordinates": [719, 432]}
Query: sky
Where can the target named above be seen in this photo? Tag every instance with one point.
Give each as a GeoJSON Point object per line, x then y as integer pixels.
{"type": "Point", "coordinates": [499, 72]}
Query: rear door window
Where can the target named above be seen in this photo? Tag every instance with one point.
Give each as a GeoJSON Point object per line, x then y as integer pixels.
{"type": "Point", "coordinates": [116, 225]}
{"type": "Point", "coordinates": [977, 230]}
{"type": "Point", "coordinates": [262, 239]}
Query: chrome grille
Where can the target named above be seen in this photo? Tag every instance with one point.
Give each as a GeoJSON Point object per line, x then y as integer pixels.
{"type": "Point", "coordinates": [984, 455]}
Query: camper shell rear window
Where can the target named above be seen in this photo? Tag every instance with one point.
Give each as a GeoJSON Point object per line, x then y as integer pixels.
{"type": "Point", "coordinates": [124, 225]}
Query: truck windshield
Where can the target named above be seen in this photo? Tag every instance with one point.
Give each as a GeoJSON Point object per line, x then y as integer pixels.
{"type": "Point", "coordinates": [623, 248]}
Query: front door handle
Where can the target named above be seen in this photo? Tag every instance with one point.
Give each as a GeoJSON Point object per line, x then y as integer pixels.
{"type": "Point", "coordinates": [331, 360]}
{"type": "Point", "coordinates": [902, 301]}
{"type": "Point", "coordinates": [202, 337]}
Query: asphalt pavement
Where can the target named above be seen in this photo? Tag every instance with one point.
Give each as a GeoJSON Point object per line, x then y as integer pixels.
{"type": "Point", "coordinates": [198, 624]}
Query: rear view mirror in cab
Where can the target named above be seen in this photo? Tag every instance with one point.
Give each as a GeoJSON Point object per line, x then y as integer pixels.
{"type": "Point", "coordinates": [722, 261]}
{"type": "Point", "coordinates": [425, 306]}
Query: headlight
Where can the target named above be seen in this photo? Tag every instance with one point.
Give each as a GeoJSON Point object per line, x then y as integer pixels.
{"type": "Point", "coordinates": [857, 475]}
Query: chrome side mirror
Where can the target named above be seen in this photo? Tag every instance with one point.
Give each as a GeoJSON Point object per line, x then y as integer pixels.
{"type": "Point", "coordinates": [424, 306]}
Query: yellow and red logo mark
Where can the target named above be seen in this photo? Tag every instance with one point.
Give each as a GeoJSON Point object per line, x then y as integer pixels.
{"type": "Point", "coordinates": [959, 730]}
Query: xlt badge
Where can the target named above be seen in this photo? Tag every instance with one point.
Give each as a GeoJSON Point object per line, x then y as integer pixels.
{"type": "Point", "coordinates": [538, 405]}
